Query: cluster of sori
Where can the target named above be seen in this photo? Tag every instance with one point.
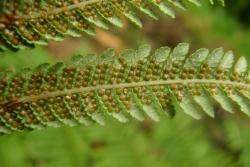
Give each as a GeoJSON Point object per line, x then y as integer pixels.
{"type": "Point", "coordinates": [134, 83]}
{"type": "Point", "coordinates": [25, 23]}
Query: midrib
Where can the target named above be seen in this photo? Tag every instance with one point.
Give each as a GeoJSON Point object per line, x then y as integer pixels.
{"type": "Point", "coordinates": [35, 15]}
{"type": "Point", "coordinates": [46, 95]}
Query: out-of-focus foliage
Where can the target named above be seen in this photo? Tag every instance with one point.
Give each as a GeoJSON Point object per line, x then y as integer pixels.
{"type": "Point", "coordinates": [178, 142]}
{"type": "Point", "coordinates": [240, 10]}
{"type": "Point", "coordinates": [25, 58]}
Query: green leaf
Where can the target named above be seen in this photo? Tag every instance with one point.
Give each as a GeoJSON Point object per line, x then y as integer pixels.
{"type": "Point", "coordinates": [136, 83]}
{"type": "Point", "coordinates": [241, 65]}
{"type": "Point", "coordinates": [38, 22]}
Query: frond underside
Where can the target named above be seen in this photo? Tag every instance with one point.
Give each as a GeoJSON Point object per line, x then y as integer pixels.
{"type": "Point", "coordinates": [135, 83]}
{"type": "Point", "coordinates": [24, 23]}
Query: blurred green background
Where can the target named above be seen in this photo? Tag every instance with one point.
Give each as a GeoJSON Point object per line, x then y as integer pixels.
{"type": "Point", "coordinates": [181, 142]}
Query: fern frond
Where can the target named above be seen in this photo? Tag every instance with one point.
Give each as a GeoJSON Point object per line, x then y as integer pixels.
{"type": "Point", "coordinates": [135, 83]}
{"type": "Point", "coordinates": [24, 23]}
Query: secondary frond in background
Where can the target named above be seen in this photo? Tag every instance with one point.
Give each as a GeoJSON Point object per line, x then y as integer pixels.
{"type": "Point", "coordinates": [136, 84]}
{"type": "Point", "coordinates": [24, 23]}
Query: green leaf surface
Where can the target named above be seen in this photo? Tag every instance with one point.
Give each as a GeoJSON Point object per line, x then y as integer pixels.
{"type": "Point", "coordinates": [136, 83]}
{"type": "Point", "coordinates": [38, 22]}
